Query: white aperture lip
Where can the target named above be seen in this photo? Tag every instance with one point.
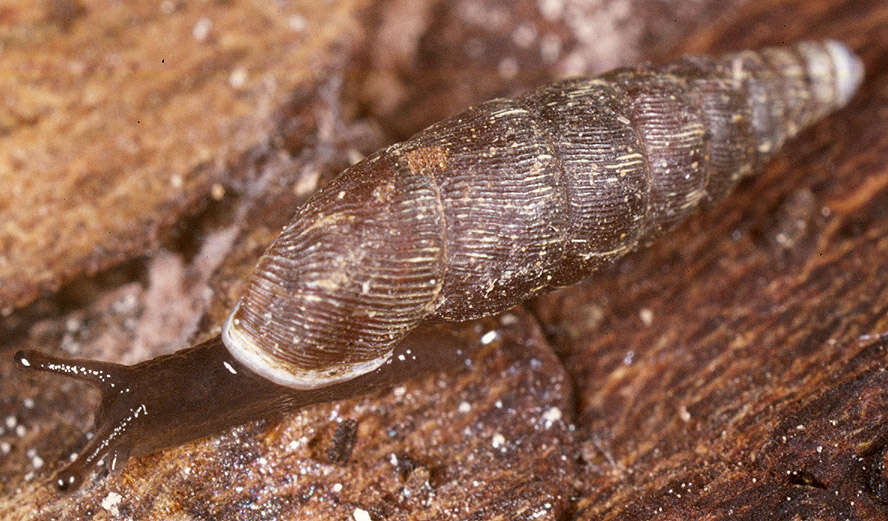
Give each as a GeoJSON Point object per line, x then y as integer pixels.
{"type": "Point", "coordinates": [246, 351]}
{"type": "Point", "coordinates": [848, 69]}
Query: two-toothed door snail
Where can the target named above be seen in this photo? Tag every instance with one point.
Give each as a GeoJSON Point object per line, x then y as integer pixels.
{"type": "Point", "coordinates": [467, 218]}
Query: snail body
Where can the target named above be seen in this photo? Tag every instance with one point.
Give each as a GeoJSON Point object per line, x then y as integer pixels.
{"type": "Point", "coordinates": [467, 218]}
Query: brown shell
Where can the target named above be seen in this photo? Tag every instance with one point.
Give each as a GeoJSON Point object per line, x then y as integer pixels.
{"type": "Point", "coordinates": [514, 197]}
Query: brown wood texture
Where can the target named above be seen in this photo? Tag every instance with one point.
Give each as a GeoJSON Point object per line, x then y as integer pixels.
{"type": "Point", "coordinates": [735, 370]}
{"type": "Point", "coordinates": [117, 120]}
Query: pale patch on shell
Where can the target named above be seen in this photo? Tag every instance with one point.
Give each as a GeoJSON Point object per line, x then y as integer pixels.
{"type": "Point", "coordinates": [430, 158]}
{"type": "Point", "coordinates": [248, 352]}
{"type": "Point", "coordinates": [848, 68]}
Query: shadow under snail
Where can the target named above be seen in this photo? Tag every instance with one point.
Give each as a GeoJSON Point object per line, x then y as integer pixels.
{"type": "Point", "coordinates": [509, 199]}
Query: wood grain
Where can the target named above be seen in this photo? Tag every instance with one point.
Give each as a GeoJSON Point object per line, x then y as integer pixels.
{"type": "Point", "coordinates": [118, 120]}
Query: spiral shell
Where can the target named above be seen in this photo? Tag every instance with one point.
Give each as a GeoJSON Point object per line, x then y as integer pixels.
{"type": "Point", "coordinates": [514, 197]}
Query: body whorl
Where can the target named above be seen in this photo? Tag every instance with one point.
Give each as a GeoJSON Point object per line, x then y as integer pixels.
{"type": "Point", "coordinates": [516, 196]}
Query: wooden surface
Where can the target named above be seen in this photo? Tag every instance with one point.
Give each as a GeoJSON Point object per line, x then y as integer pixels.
{"type": "Point", "coordinates": [735, 370]}
{"type": "Point", "coordinates": [118, 119]}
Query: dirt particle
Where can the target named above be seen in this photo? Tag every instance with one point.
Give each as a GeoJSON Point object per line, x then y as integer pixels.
{"type": "Point", "coordinates": [201, 29]}
{"type": "Point", "coordinates": [238, 78]}
{"type": "Point", "coordinates": [524, 35]}
{"type": "Point", "coordinates": [111, 503]}
{"type": "Point", "coordinates": [552, 415]}
{"type": "Point", "coordinates": [646, 316]}
{"type": "Point", "coordinates": [508, 68]}
{"type": "Point", "coordinates": [550, 48]}
{"type": "Point", "coordinates": [343, 442]}
{"type": "Point", "coordinates": [430, 158]}
{"type": "Point", "coordinates": [551, 9]}
{"type": "Point", "coordinates": [297, 23]}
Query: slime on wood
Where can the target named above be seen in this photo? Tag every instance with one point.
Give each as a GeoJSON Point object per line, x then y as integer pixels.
{"type": "Point", "coordinates": [475, 214]}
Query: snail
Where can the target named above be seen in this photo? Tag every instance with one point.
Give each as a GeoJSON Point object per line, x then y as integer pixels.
{"type": "Point", "coordinates": [467, 218]}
